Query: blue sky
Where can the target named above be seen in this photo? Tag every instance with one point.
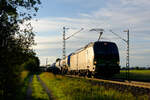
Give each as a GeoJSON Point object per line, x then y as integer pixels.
{"type": "Point", "coordinates": [117, 15]}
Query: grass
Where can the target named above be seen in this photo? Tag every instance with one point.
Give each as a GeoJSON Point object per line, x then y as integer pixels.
{"type": "Point", "coordinates": [64, 88]}
{"type": "Point", "coordinates": [24, 79]}
{"type": "Point", "coordinates": [38, 92]}
{"type": "Point", "coordinates": [24, 74]}
{"type": "Point", "coordinates": [139, 75]}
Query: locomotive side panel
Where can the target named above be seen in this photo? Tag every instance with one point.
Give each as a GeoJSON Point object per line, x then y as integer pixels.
{"type": "Point", "coordinates": [82, 60]}
{"type": "Point", "coordinates": [90, 59]}
{"type": "Point", "coordinates": [73, 62]}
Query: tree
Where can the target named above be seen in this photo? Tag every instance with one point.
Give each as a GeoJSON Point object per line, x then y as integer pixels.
{"type": "Point", "coordinates": [32, 64]}
{"type": "Point", "coordinates": [15, 42]}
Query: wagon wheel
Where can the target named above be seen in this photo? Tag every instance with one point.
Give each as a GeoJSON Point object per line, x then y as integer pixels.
{"type": "Point", "coordinates": [89, 74]}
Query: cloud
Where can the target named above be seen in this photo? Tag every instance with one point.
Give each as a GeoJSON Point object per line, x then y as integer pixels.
{"type": "Point", "coordinates": [48, 59]}
{"type": "Point", "coordinates": [136, 2]}
{"type": "Point", "coordinates": [118, 16]}
{"type": "Point", "coordinates": [46, 42]}
{"type": "Point", "coordinates": [85, 15]}
{"type": "Point", "coordinates": [45, 25]}
{"type": "Point", "coordinates": [45, 39]}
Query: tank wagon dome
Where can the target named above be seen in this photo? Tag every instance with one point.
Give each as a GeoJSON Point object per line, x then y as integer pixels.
{"type": "Point", "coordinates": [58, 59]}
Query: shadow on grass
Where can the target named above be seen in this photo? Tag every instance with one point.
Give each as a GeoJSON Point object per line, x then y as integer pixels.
{"type": "Point", "coordinates": [34, 98]}
{"type": "Point", "coordinates": [21, 92]}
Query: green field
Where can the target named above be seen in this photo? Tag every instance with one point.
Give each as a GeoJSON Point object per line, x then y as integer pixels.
{"type": "Point", "coordinates": [65, 88]}
{"type": "Point", "coordinates": [137, 75]}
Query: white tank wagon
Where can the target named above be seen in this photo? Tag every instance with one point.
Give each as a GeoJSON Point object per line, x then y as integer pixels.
{"type": "Point", "coordinates": [56, 67]}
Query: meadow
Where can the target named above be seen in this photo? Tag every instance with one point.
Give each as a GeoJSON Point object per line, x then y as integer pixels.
{"type": "Point", "coordinates": [136, 75]}
{"type": "Point", "coordinates": [38, 92]}
{"type": "Point", "coordinates": [65, 88]}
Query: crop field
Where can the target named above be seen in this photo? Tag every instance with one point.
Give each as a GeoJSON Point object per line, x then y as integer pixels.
{"type": "Point", "coordinates": [65, 88]}
{"type": "Point", "coordinates": [137, 75]}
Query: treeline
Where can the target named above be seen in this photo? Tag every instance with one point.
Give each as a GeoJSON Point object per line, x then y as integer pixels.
{"type": "Point", "coordinates": [136, 68]}
{"type": "Point", "coordinates": [32, 64]}
{"type": "Point", "coordinates": [16, 39]}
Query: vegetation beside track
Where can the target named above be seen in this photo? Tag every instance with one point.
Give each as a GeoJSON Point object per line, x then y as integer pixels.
{"type": "Point", "coordinates": [38, 92]}
{"type": "Point", "coordinates": [24, 75]}
{"type": "Point", "coordinates": [65, 88]}
{"type": "Point", "coordinates": [137, 75]}
{"type": "Point", "coordinates": [24, 85]}
{"type": "Point", "coordinates": [15, 44]}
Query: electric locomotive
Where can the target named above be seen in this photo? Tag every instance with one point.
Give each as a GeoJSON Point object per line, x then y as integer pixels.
{"type": "Point", "coordinates": [95, 59]}
{"type": "Point", "coordinates": [106, 58]}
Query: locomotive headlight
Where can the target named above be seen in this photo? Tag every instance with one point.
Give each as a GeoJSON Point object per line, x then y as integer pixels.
{"type": "Point", "coordinates": [95, 62]}
{"type": "Point", "coordinates": [118, 62]}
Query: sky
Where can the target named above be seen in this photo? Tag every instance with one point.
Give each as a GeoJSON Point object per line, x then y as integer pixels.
{"type": "Point", "coordinates": [115, 15]}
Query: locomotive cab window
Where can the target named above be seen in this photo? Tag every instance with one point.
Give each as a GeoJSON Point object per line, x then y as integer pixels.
{"type": "Point", "coordinates": [106, 49]}
{"type": "Point", "coordinates": [106, 52]}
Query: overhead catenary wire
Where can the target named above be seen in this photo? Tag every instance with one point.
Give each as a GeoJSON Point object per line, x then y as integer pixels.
{"type": "Point", "coordinates": [127, 57]}
{"type": "Point", "coordinates": [74, 34]}
{"type": "Point", "coordinates": [118, 36]}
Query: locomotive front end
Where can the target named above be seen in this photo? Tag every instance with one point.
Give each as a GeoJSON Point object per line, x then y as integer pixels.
{"type": "Point", "coordinates": [106, 58]}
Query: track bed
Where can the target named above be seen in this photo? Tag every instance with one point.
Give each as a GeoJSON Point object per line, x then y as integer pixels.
{"type": "Point", "coordinates": [136, 88]}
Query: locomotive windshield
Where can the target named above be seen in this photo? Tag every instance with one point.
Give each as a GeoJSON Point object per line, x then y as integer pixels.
{"type": "Point", "coordinates": [107, 50]}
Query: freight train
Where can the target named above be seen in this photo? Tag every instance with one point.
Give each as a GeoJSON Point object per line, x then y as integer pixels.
{"type": "Point", "coordinates": [100, 58]}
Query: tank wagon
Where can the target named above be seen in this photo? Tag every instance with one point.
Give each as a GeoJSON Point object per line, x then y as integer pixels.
{"type": "Point", "coordinates": [51, 67]}
{"type": "Point", "coordinates": [95, 59]}
{"type": "Point", "coordinates": [55, 67]}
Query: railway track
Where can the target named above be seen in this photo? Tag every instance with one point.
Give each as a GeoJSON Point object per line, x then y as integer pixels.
{"type": "Point", "coordinates": [136, 88]}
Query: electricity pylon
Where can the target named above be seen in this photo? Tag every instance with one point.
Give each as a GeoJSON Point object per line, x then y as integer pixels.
{"type": "Point", "coordinates": [127, 57]}
{"type": "Point", "coordinates": [64, 40]}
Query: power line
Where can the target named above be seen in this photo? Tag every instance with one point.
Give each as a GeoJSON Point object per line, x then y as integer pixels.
{"type": "Point", "coordinates": [74, 34]}
{"type": "Point", "coordinates": [64, 39]}
{"type": "Point", "coordinates": [127, 57]}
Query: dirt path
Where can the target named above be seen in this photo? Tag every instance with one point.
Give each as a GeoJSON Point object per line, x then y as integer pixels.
{"type": "Point", "coordinates": [51, 97]}
{"type": "Point", "coordinates": [29, 90]}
